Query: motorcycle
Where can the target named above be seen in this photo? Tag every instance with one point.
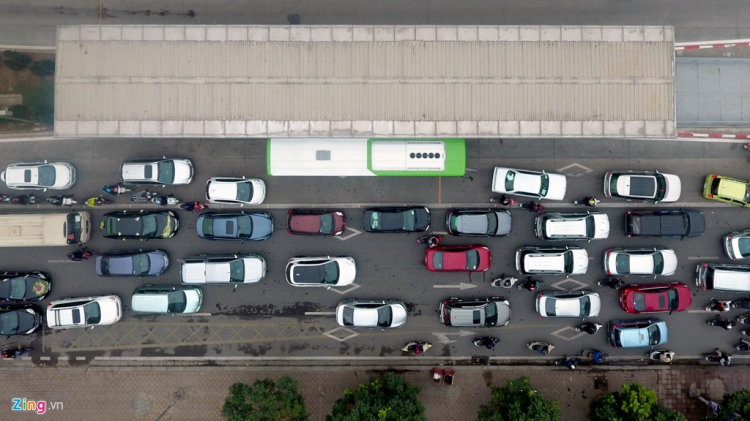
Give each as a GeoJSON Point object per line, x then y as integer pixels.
{"type": "Point", "coordinates": [595, 356]}
{"type": "Point", "coordinates": [589, 201]}
{"type": "Point", "coordinates": [743, 346]}
{"type": "Point", "coordinates": [569, 362]}
{"type": "Point", "coordinates": [417, 348]}
{"type": "Point", "coordinates": [719, 357]}
{"type": "Point", "coordinates": [66, 200]}
{"type": "Point", "coordinates": [115, 189]}
{"type": "Point", "coordinates": [661, 356]}
{"type": "Point", "coordinates": [720, 306]}
{"type": "Point", "coordinates": [543, 348]}
{"type": "Point", "coordinates": [18, 200]}
{"type": "Point", "coordinates": [531, 285]}
{"type": "Point", "coordinates": [15, 352]}
{"type": "Point", "coordinates": [488, 342]}
{"type": "Point", "coordinates": [743, 302]}
{"type": "Point", "coordinates": [612, 282]}
{"type": "Point", "coordinates": [143, 196]}
{"type": "Point", "coordinates": [96, 201]}
{"type": "Point", "coordinates": [193, 206]}
{"type": "Point", "coordinates": [431, 240]}
{"type": "Point", "coordinates": [744, 319]}
{"type": "Point", "coordinates": [533, 206]}
{"type": "Point", "coordinates": [588, 327]}
{"type": "Point", "coordinates": [503, 200]}
{"type": "Point", "coordinates": [723, 323]}
{"type": "Point", "coordinates": [165, 200]}
{"type": "Point", "coordinates": [504, 282]}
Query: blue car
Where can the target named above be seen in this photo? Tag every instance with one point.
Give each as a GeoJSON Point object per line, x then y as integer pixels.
{"type": "Point", "coordinates": [238, 226]}
{"type": "Point", "coordinates": [637, 333]}
{"type": "Point", "coordinates": [132, 263]}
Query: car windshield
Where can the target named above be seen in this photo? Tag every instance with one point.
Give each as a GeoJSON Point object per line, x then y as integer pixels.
{"type": "Point", "coordinates": [590, 226]}
{"type": "Point", "coordinates": [585, 302]}
{"type": "Point", "coordinates": [472, 259]}
{"type": "Point", "coordinates": [545, 185]}
{"type": "Point", "coordinates": [385, 315]}
{"type": "Point", "coordinates": [490, 315]}
{"type": "Point", "coordinates": [654, 336]}
{"type": "Point", "coordinates": [92, 313]}
{"type": "Point", "coordinates": [73, 228]}
{"type": "Point", "coordinates": [148, 225]}
{"type": "Point", "coordinates": [330, 272]}
{"type": "Point", "coordinates": [674, 301]}
{"type": "Point", "coordinates": [348, 316]}
{"type": "Point", "coordinates": [141, 264]}
{"type": "Point", "coordinates": [715, 186]}
{"type": "Point", "coordinates": [437, 260]}
{"type": "Point", "coordinates": [166, 172]}
{"type": "Point", "coordinates": [622, 264]}
{"type": "Point", "coordinates": [491, 223]}
{"type": "Point", "coordinates": [237, 270]}
{"type": "Point", "coordinates": [326, 223]}
{"type": "Point", "coordinates": [568, 261]}
{"type": "Point", "coordinates": [550, 306]}
{"type": "Point", "coordinates": [176, 302]}
{"type": "Point", "coordinates": [639, 301]}
{"type": "Point", "coordinates": [661, 187]}
{"type": "Point", "coordinates": [410, 219]}
{"type": "Point", "coordinates": [244, 226]}
{"type": "Point", "coordinates": [747, 193]}
{"type": "Point", "coordinates": [510, 177]}
{"type": "Point", "coordinates": [658, 263]}
{"type": "Point", "coordinates": [613, 185]}
{"type": "Point", "coordinates": [244, 191]}
{"type": "Point", "coordinates": [47, 175]}
{"type": "Point", "coordinates": [17, 286]}
{"type": "Point", "coordinates": [9, 322]}
{"type": "Point", "coordinates": [744, 245]}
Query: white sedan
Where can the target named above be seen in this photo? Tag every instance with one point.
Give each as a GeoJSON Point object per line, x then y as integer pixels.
{"type": "Point", "coordinates": [371, 313]}
{"type": "Point", "coordinates": [537, 184]}
{"type": "Point", "coordinates": [640, 261]}
{"type": "Point", "coordinates": [39, 176]}
{"type": "Point", "coordinates": [84, 312]}
{"type": "Point", "coordinates": [231, 190]}
{"type": "Point", "coordinates": [568, 304]}
{"type": "Point", "coordinates": [323, 271]}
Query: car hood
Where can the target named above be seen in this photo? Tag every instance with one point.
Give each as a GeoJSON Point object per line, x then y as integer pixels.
{"type": "Point", "coordinates": [262, 226]}
{"type": "Point", "coordinates": [601, 226]}
{"type": "Point", "coordinates": [255, 270]}
{"type": "Point", "coordinates": [674, 188]}
{"type": "Point", "coordinates": [504, 223]}
{"type": "Point", "coordinates": [193, 300]}
{"type": "Point", "coordinates": [580, 261]}
{"type": "Point", "coordinates": [557, 187]}
{"type": "Point", "coordinates": [347, 271]}
{"type": "Point", "coordinates": [111, 310]}
{"type": "Point", "coordinates": [399, 316]}
{"type": "Point", "coordinates": [697, 224]}
{"type": "Point", "coordinates": [183, 171]}
{"type": "Point", "coordinates": [670, 262]}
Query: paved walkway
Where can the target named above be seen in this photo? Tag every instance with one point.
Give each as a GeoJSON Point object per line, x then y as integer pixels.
{"type": "Point", "coordinates": [197, 393]}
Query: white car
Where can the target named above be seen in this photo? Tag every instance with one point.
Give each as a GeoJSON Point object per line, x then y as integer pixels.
{"type": "Point", "coordinates": [572, 226]}
{"type": "Point", "coordinates": [568, 260]}
{"type": "Point", "coordinates": [737, 245]}
{"type": "Point", "coordinates": [640, 261]}
{"type": "Point", "coordinates": [568, 304]}
{"type": "Point", "coordinates": [371, 313]}
{"type": "Point", "coordinates": [84, 312]}
{"type": "Point", "coordinates": [251, 191]}
{"type": "Point", "coordinates": [157, 171]}
{"type": "Point", "coordinates": [646, 186]}
{"type": "Point", "coordinates": [223, 269]}
{"type": "Point", "coordinates": [537, 184]}
{"type": "Point", "coordinates": [39, 176]}
{"type": "Point", "coordinates": [323, 271]}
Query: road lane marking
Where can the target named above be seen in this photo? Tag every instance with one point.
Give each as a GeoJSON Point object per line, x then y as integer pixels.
{"type": "Point", "coordinates": [703, 258]}
{"type": "Point", "coordinates": [462, 286]}
{"type": "Point", "coordinates": [62, 261]}
{"type": "Point", "coordinates": [355, 232]}
{"type": "Point", "coordinates": [345, 291]}
{"type": "Point", "coordinates": [700, 311]}
{"type": "Point", "coordinates": [320, 313]}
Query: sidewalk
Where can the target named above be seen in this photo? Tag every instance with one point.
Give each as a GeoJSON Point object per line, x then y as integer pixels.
{"type": "Point", "coordinates": [143, 393]}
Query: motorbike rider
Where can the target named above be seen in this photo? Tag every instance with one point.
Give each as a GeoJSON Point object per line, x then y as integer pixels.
{"type": "Point", "coordinates": [570, 363]}
{"type": "Point", "coordinates": [489, 342]}
{"type": "Point", "coordinates": [532, 206]}
{"type": "Point", "coordinates": [597, 356]}
{"type": "Point", "coordinates": [743, 346]}
{"type": "Point", "coordinates": [720, 306]}
{"type": "Point", "coordinates": [724, 323]}
{"type": "Point", "coordinates": [722, 358]}
{"type": "Point", "coordinates": [666, 357]}
{"type": "Point", "coordinates": [591, 201]}
{"type": "Point", "coordinates": [589, 327]}
{"type": "Point", "coordinates": [611, 282]}
{"type": "Point", "coordinates": [193, 206]}
{"type": "Point", "coordinates": [81, 254]}
{"type": "Point", "coordinates": [543, 348]}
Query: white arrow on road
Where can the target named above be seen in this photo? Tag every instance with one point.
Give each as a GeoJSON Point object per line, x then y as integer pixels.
{"type": "Point", "coordinates": [462, 285]}
{"type": "Point", "coordinates": [443, 337]}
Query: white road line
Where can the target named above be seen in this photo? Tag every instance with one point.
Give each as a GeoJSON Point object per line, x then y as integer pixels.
{"type": "Point", "coordinates": [62, 261]}
{"type": "Point", "coordinates": [193, 314]}
{"type": "Point", "coordinates": [320, 313]}
{"type": "Point", "coordinates": [703, 258]}
{"type": "Point", "coordinates": [700, 311]}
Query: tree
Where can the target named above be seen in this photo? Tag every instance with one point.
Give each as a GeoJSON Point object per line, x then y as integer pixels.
{"type": "Point", "coordinates": [265, 401]}
{"type": "Point", "coordinates": [42, 68]}
{"type": "Point", "coordinates": [387, 398]}
{"type": "Point", "coordinates": [16, 61]}
{"type": "Point", "coordinates": [518, 401]}
{"type": "Point", "coordinates": [633, 403]}
{"type": "Point", "coordinates": [735, 403]}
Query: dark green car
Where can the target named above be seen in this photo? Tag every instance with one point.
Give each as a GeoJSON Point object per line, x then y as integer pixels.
{"type": "Point", "coordinates": [141, 225]}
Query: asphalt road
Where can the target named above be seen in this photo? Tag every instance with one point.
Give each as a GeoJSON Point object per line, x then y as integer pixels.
{"type": "Point", "coordinates": [272, 318]}
{"type": "Point", "coordinates": [33, 22]}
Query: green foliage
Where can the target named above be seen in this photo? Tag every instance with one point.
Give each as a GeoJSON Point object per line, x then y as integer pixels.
{"type": "Point", "coordinates": [518, 402]}
{"type": "Point", "coordinates": [390, 398]}
{"type": "Point", "coordinates": [265, 401]}
{"type": "Point", "coordinates": [16, 61]}
{"type": "Point", "coordinates": [633, 403]}
{"type": "Point", "coordinates": [20, 110]}
{"type": "Point", "coordinates": [737, 402]}
{"type": "Point", "coordinates": [42, 68]}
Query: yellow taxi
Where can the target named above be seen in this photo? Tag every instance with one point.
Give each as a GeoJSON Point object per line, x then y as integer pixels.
{"type": "Point", "coordinates": [727, 189]}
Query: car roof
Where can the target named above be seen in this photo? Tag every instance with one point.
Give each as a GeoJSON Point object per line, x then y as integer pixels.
{"type": "Point", "coordinates": [735, 189]}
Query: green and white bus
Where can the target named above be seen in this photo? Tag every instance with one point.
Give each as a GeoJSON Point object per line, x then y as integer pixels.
{"type": "Point", "coordinates": [366, 157]}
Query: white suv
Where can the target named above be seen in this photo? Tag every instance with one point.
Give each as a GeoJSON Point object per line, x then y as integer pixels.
{"type": "Point", "coordinates": [157, 171]}
{"type": "Point", "coordinates": [84, 312]}
{"type": "Point", "coordinates": [568, 260]}
{"type": "Point", "coordinates": [39, 176]}
{"type": "Point", "coordinates": [251, 191]}
{"type": "Point", "coordinates": [572, 226]}
{"type": "Point", "coordinates": [223, 269]}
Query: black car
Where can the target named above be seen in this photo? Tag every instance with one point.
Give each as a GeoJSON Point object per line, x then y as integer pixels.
{"type": "Point", "coordinates": [140, 224]}
{"type": "Point", "coordinates": [24, 286]}
{"type": "Point", "coordinates": [665, 223]}
{"type": "Point", "coordinates": [20, 321]}
{"type": "Point", "coordinates": [397, 219]}
{"type": "Point", "coordinates": [478, 222]}
{"type": "Point", "coordinates": [238, 226]}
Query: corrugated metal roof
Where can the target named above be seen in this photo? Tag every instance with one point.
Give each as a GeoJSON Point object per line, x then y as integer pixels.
{"type": "Point", "coordinates": [332, 81]}
{"type": "Point", "coordinates": [713, 92]}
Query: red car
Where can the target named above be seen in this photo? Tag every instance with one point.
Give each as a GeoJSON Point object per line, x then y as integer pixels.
{"type": "Point", "coordinates": [655, 298]}
{"type": "Point", "coordinates": [315, 222]}
{"type": "Point", "coordinates": [471, 258]}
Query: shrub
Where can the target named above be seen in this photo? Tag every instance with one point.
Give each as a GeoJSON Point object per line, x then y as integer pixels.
{"type": "Point", "coordinates": [633, 403]}
{"type": "Point", "coordinates": [265, 400]}
{"type": "Point", "coordinates": [518, 401]}
{"type": "Point", "coordinates": [42, 68]}
{"type": "Point", "coordinates": [20, 110]}
{"type": "Point", "coordinates": [389, 398]}
{"type": "Point", "coordinates": [16, 61]}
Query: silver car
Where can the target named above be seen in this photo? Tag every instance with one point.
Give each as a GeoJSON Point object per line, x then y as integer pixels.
{"type": "Point", "coordinates": [568, 304]}
{"type": "Point", "coordinates": [381, 314]}
{"type": "Point", "coordinates": [157, 171]}
{"type": "Point", "coordinates": [324, 271]}
{"type": "Point", "coordinates": [572, 226]}
{"type": "Point", "coordinates": [84, 312]}
{"type": "Point", "coordinates": [223, 269]}
{"type": "Point", "coordinates": [164, 299]}
{"type": "Point", "coordinates": [39, 176]}
{"type": "Point", "coordinates": [737, 245]}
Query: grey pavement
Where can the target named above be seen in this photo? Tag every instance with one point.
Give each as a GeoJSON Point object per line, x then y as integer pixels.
{"type": "Point", "coordinates": [197, 393]}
